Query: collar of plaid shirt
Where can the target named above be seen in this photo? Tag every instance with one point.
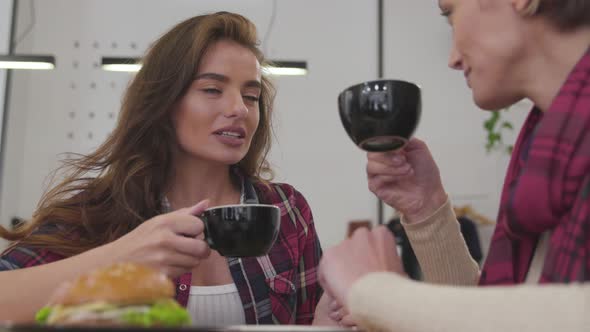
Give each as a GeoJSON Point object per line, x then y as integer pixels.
{"type": "Point", "coordinates": [547, 188]}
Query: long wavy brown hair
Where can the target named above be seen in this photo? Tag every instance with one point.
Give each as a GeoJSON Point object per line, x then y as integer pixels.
{"type": "Point", "coordinates": [106, 194]}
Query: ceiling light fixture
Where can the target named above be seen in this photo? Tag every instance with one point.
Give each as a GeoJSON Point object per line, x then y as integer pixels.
{"type": "Point", "coordinates": [19, 61]}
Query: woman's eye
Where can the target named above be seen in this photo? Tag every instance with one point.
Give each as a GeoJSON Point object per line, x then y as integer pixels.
{"type": "Point", "coordinates": [446, 14]}
{"type": "Point", "coordinates": [254, 99]}
{"type": "Point", "coordinates": [212, 91]}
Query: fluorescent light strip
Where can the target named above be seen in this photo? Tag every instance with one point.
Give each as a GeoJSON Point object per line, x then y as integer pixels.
{"type": "Point", "coordinates": [132, 68]}
{"type": "Point", "coordinates": [130, 65]}
{"type": "Point", "coordinates": [285, 71]}
{"type": "Point", "coordinates": [286, 68]}
{"type": "Point", "coordinates": [26, 65]}
{"type": "Point", "coordinates": [277, 68]}
{"type": "Point", "coordinates": [27, 62]}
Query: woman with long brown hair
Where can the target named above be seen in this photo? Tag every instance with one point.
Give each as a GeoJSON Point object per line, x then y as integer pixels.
{"type": "Point", "coordinates": [193, 131]}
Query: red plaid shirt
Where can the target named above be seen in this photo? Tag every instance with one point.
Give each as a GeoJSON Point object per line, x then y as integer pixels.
{"type": "Point", "coordinates": [280, 288]}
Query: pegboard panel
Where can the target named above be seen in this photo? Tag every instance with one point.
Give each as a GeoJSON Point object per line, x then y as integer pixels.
{"type": "Point", "coordinates": [74, 107]}
{"type": "Point", "coordinates": [90, 111]}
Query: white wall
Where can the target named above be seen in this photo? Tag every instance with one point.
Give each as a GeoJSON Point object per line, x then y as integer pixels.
{"type": "Point", "coordinates": [311, 152]}
{"type": "Point", "coordinates": [5, 21]}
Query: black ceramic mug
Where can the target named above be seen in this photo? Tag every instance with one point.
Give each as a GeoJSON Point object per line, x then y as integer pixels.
{"type": "Point", "coordinates": [242, 230]}
{"type": "Point", "coordinates": [380, 115]}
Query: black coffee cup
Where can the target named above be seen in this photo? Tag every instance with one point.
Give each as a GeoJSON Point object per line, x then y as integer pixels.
{"type": "Point", "coordinates": [242, 230]}
{"type": "Point", "coordinates": [380, 115]}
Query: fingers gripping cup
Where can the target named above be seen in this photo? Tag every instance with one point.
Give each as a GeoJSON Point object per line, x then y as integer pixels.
{"type": "Point", "coordinates": [242, 230]}
{"type": "Point", "coordinates": [380, 115]}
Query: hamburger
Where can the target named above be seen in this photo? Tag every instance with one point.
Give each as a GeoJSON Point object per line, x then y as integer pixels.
{"type": "Point", "coordinates": [121, 294]}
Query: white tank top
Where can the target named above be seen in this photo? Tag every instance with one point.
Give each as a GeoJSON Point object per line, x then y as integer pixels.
{"type": "Point", "coordinates": [215, 306]}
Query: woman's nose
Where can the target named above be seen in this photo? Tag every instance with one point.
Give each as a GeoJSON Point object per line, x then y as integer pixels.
{"type": "Point", "coordinates": [237, 107]}
{"type": "Point", "coordinates": [455, 59]}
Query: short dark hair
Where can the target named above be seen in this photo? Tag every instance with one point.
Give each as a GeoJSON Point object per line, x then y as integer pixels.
{"type": "Point", "coordinates": [565, 14]}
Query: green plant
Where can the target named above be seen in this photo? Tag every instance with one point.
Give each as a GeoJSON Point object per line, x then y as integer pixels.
{"type": "Point", "coordinates": [494, 127]}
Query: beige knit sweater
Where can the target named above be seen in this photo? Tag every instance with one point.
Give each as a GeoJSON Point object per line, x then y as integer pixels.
{"type": "Point", "coordinates": [448, 300]}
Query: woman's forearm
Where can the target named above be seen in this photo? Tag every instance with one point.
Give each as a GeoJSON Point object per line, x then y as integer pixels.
{"type": "Point", "coordinates": [390, 302]}
{"type": "Point", "coordinates": [25, 291]}
{"type": "Point", "coordinates": [441, 250]}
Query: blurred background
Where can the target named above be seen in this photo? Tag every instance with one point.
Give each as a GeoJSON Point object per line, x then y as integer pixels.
{"type": "Point", "coordinates": [72, 108]}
